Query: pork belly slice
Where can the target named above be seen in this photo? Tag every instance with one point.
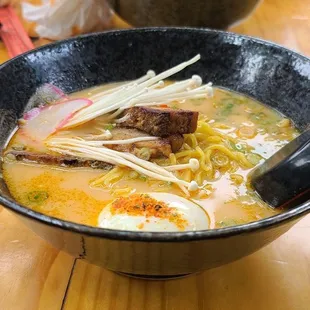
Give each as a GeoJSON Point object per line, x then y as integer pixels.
{"type": "Point", "coordinates": [161, 122]}
{"type": "Point", "coordinates": [145, 149]}
{"type": "Point", "coordinates": [58, 160]}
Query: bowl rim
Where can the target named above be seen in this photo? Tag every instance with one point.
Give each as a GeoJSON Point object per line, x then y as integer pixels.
{"type": "Point", "coordinates": [125, 235]}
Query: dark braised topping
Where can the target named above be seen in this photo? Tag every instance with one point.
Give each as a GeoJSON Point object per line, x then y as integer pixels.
{"type": "Point", "coordinates": [59, 160]}
{"type": "Point", "coordinates": [145, 149]}
{"type": "Point", "coordinates": [161, 122]}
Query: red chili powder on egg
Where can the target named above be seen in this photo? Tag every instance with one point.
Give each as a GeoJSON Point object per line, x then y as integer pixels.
{"type": "Point", "coordinates": [145, 205]}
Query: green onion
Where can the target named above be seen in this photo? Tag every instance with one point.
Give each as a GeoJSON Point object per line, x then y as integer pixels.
{"type": "Point", "coordinates": [253, 158]}
{"type": "Point", "coordinates": [165, 184]}
{"type": "Point", "coordinates": [133, 174]}
{"type": "Point", "coordinates": [37, 196]}
{"type": "Point", "coordinates": [227, 107]}
{"type": "Point", "coordinates": [228, 101]}
{"type": "Point", "coordinates": [109, 126]}
{"type": "Point", "coordinates": [143, 177]}
{"type": "Point", "coordinates": [260, 118]}
{"type": "Point", "coordinates": [229, 222]}
{"type": "Point", "coordinates": [238, 147]}
{"type": "Point", "coordinates": [144, 153]}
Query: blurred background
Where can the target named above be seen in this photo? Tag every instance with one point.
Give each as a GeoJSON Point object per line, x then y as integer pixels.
{"type": "Point", "coordinates": [48, 20]}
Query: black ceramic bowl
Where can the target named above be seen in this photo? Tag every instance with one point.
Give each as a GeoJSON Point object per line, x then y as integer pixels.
{"type": "Point", "coordinates": [276, 76]}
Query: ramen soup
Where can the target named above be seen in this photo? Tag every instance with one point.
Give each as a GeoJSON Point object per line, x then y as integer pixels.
{"type": "Point", "coordinates": [147, 155]}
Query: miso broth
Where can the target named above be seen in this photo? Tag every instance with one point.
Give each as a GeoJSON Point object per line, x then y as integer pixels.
{"type": "Point", "coordinates": [248, 127]}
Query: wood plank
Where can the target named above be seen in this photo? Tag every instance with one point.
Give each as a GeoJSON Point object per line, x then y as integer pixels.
{"type": "Point", "coordinates": [4, 56]}
{"type": "Point", "coordinates": [283, 22]}
{"type": "Point", "coordinates": [33, 274]}
{"type": "Point", "coordinates": [277, 277]}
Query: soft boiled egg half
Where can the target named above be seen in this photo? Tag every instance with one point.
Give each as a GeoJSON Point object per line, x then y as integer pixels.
{"type": "Point", "coordinates": [154, 212]}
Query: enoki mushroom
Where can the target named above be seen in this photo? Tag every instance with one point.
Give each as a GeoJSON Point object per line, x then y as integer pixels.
{"type": "Point", "coordinates": [91, 149]}
{"type": "Point", "coordinates": [147, 90]}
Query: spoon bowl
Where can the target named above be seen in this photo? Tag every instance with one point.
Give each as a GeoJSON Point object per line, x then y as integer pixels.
{"type": "Point", "coordinates": [284, 178]}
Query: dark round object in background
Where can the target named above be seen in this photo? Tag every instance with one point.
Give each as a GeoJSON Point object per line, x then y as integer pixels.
{"type": "Point", "coordinates": [218, 14]}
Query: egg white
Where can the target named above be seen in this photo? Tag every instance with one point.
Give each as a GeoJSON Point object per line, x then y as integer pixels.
{"type": "Point", "coordinates": [195, 215]}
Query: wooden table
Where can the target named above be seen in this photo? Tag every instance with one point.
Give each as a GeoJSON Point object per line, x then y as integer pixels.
{"type": "Point", "coordinates": [34, 275]}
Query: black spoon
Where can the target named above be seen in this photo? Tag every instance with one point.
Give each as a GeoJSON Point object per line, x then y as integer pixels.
{"type": "Point", "coordinates": [284, 178]}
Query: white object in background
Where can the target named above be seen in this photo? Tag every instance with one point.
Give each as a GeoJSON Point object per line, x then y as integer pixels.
{"type": "Point", "coordinates": [60, 19]}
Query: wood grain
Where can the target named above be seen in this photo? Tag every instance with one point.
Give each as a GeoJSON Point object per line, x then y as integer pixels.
{"type": "Point", "coordinates": [286, 22]}
{"type": "Point", "coordinates": [3, 53]}
{"type": "Point", "coordinates": [277, 277]}
{"type": "Point", "coordinates": [33, 275]}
